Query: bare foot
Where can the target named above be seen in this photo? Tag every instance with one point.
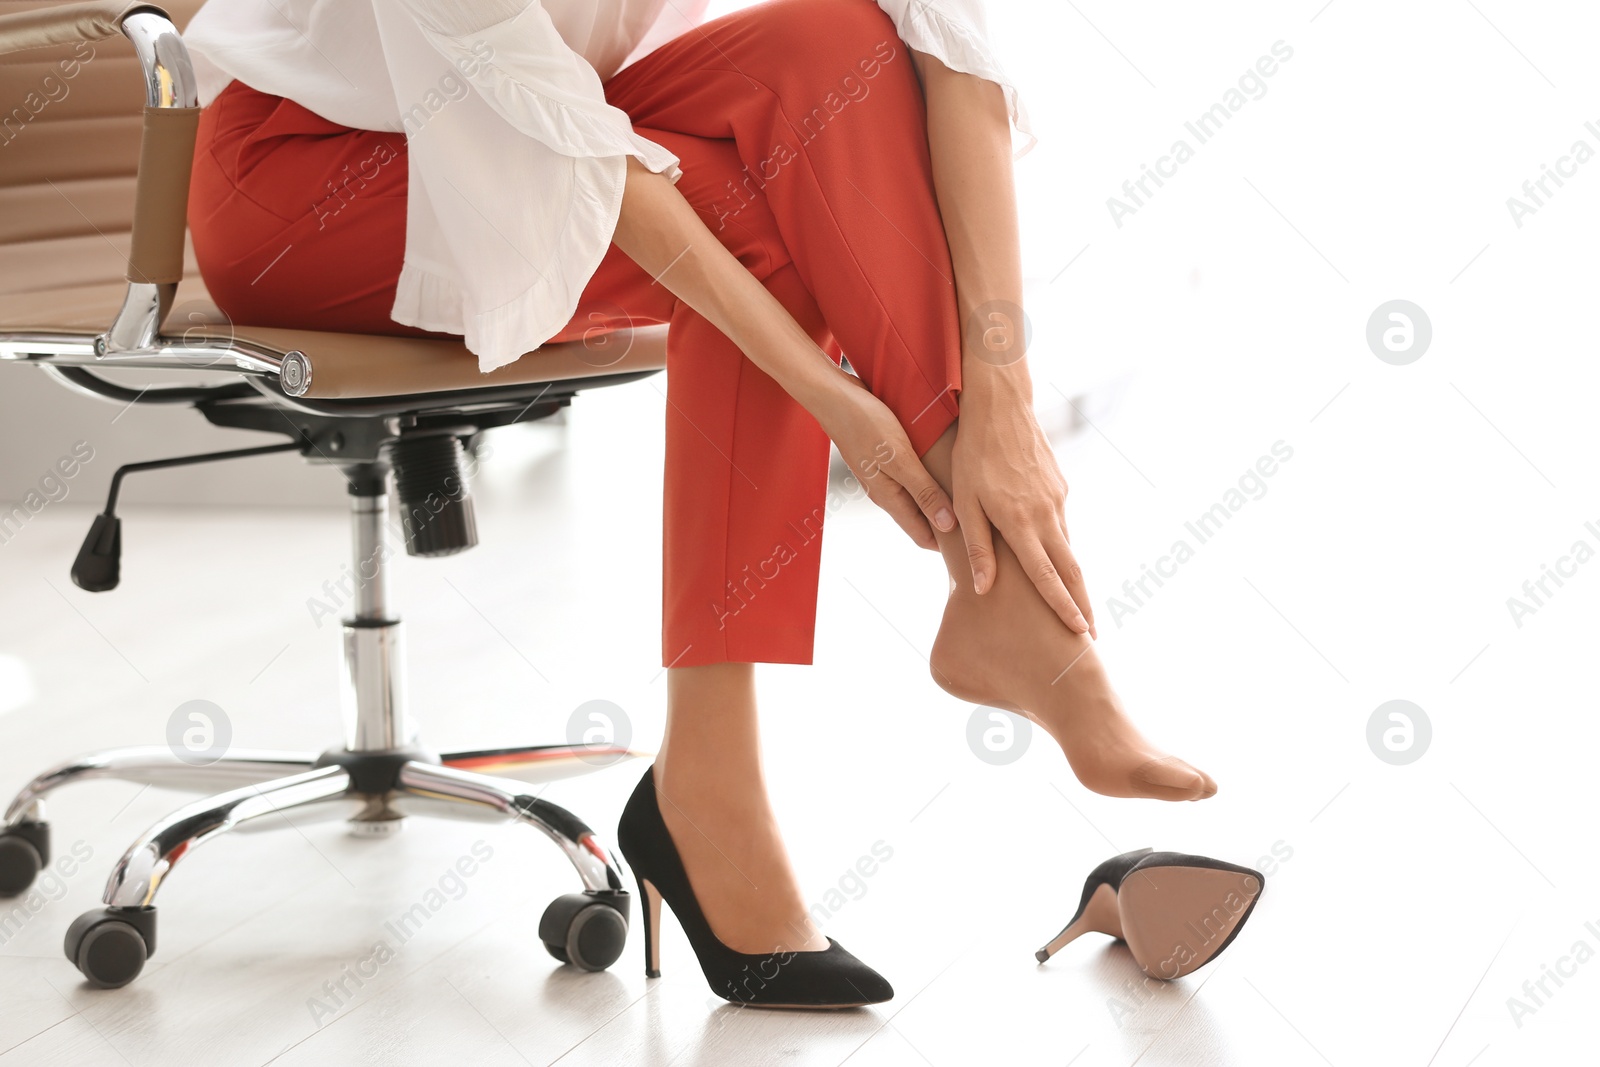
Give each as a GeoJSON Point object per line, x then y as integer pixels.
{"type": "Point", "coordinates": [1007, 649]}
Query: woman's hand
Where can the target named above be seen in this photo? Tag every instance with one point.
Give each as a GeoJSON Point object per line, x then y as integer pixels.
{"type": "Point", "coordinates": [660, 231]}
{"type": "Point", "coordinates": [875, 446]}
{"type": "Point", "coordinates": [1005, 474]}
{"type": "Point", "coordinates": [1004, 471]}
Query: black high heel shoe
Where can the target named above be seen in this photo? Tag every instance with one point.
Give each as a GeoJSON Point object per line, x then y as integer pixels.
{"type": "Point", "coordinates": [828, 978]}
{"type": "Point", "coordinates": [1176, 912]}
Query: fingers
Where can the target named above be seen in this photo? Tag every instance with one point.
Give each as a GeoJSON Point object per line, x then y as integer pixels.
{"type": "Point", "coordinates": [893, 498]}
{"type": "Point", "coordinates": [929, 498]}
{"type": "Point", "coordinates": [1066, 563]}
{"type": "Point", "coordinates": [980, 543]}
{"type": "Point", "coordinates": [1047, 578]}
{"type": "Point", "coordinates": [908, 493]}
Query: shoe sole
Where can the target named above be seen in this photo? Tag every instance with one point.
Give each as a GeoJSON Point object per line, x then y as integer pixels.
{"type": "Point", "coordinates": [1177, 919]}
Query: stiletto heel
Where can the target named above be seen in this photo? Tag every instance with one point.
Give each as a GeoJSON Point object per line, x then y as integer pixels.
{"type": "Point", "coordinates": [1175, 912]}
{"type": "Point", "coordinates": [1097, 911]}
{"type": "Point", "coordinates": [829, 978]}
{"type": "Point", "coordinates": [652, 928]}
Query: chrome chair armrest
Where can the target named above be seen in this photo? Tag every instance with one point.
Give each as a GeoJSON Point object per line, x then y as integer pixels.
{"type": "Point", "coordinates": [166, 150]}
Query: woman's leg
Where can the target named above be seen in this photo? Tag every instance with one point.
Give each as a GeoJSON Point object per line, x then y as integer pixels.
{"type": "Point", "coordinates": [746, 465]}
{"type": "Point", "coordinates": [746, 480]}
{"type": "Point", "coordinates": [822, 102]}
{"type": "Point", "coordinates": [713, 798]}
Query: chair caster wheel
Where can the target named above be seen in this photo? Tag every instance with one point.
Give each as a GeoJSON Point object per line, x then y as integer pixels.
{"type": "Point", "coordinates": [110, 945]}
{"type": "Point", "coordinates": [587, 930]}
{"type": "Point", "coordinates": [24, 850]}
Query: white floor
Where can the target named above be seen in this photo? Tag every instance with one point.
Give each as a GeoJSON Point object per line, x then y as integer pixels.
{"type": "Point", "coordinates": [1413, 902]}
{"type": "Point", "coordinates": [1444, 912]}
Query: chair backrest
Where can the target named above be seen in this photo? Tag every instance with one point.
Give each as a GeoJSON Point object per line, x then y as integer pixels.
{"type": "Point", "coordinates": [69, 150]}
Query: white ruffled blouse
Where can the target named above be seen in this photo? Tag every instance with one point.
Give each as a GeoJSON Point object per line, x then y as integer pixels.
{"type": "Point", "coordinates": [516, 161]}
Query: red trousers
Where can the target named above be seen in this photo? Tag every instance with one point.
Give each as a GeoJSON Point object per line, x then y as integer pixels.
{"type": "Point", "coordinates": [801, 133]}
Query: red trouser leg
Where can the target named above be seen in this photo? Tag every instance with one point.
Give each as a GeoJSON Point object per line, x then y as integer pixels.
{"type": "Point", "coordinates": [746, 466]}
{"type": "Point", "coordinates": [820, 104]}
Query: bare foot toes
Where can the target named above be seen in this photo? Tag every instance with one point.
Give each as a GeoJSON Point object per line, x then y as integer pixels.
{"type": "Point", "coordinates": [1170, 778]}
{"type": "Point", "coordinates": [1007, 649]}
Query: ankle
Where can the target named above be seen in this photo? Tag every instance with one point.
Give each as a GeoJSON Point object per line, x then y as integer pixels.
{"type": "Point", "coordinates": [700, 784]}
{"type": "Point", "coordinates": [957, 671]}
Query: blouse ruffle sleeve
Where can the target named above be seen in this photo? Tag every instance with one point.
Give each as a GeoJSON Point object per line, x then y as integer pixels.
{"type": "Point", "coordinates": [525, 70]}
{"type": "Point", "coordinates": [531, 226]}
{"type": "Point", "coordinates": [955, 33]}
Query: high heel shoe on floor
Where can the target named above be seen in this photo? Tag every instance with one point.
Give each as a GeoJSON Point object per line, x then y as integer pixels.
{"type": "Point", "coordinates": [828, 978]}
{"type": "Point", "coordinates": [1176, 912]}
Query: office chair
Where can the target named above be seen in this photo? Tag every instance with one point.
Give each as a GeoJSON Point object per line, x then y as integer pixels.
{"type": "Point", "coordinates": [368, 406]}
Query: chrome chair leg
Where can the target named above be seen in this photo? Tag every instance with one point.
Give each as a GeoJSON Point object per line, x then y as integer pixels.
{"type": "Point", "coordinates": [139, 875]}
{"type": "Point", "coordinates": [588, 929]}
{"type": "Point", "coordinates": [537, 764]}
{"type": "Point", "coordinates": [156, 766]}
{"type": "Point", "coordinates": [110, 944]}
{"type": "Point", "coordinates": [429, 789]}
